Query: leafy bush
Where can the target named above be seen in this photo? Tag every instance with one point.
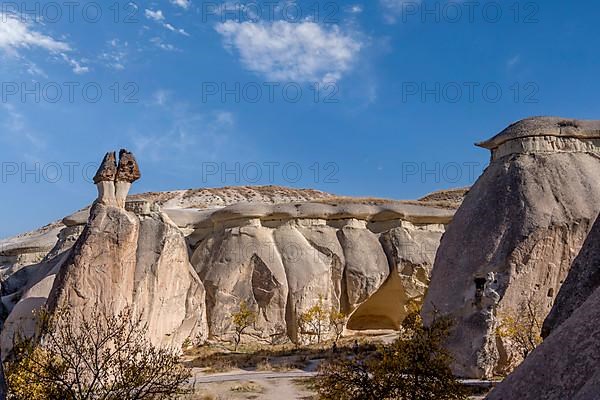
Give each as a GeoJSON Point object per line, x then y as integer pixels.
{"type": "Point", "coordinates": [415, 367]}
{"type": "Point", "coordinates": [242, 320]}
{"type": "Point", "coordinates": [100, 356]}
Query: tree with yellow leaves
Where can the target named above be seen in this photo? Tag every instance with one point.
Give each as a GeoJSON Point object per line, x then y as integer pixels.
{"type": "Point", "coordinates": [522, 327]}
{"type": "Point", "coordinates": [242, 320]}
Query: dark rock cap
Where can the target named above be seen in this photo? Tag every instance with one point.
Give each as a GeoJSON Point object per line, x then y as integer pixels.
{"type": "Point", "coordinates": [545, 126]}
{"type": "Point", "coordinates": [128, 170]}
{"type": "Point", "coordinates": [108, 169]}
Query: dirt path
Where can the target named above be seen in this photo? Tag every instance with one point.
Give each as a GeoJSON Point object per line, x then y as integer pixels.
{"type": "Point", "coordinates": [250, 376]}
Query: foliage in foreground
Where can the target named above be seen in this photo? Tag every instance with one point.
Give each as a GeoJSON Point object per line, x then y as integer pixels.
{"type": "Point", "coordinates": [102, 356]}
{"type": "Point", "coordinates": [521, 330]}
{"type": "Point", "coordinates": [242, 320]}
{"type": "Point", "coordinates": [415, 367]}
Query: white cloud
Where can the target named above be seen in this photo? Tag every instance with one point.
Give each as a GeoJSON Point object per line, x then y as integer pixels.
{"type": "Point", "coordinates": [289, 51]}
{"type": "Point", "coordinates": [394, 8]}
{"type": "Point", "coordinates": [158, 42]}
{"type": "Point", "coordinates": [355, 9]}
{"type": "Point", "coordinates": [185, 4]}
{"type": "Point", "coordinates": [16, 34]}
{"type": "Point", "coordinates": [182, 131]}
{"type": "Point", "coordinates": [75, 65]}
{"type": "Point", "coordinates": [159, 17]}
{"type": "Point", "coordinates": [114, 57]}
{"type": "Point", "coordinates": [178, 30]}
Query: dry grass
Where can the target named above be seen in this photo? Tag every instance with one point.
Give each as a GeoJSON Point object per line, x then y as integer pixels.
{"type": "Point", "coordinates": [215, 359]}
{"type": "Point", "coordinates": [248, 387]}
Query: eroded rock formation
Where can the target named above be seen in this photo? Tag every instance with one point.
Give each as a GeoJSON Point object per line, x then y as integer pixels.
{"type": "Point", "coordinates": [565, 365]}
{"type": "Point", "coordinates": [114, 181]}
{"type": "Point", "coordinates": [582, 281]}
{"type": "Point", "coordinates": [186, 260]}
{"type": "Point", "coordinates": [121, 259]}
{"type": "Point", "coordinates": [515, 236]}
{"type": "Point", "coordinates": [366, 261]}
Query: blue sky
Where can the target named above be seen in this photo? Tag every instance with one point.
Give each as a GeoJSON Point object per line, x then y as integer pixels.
{"type": "Point", "coordinates": [381, 98]}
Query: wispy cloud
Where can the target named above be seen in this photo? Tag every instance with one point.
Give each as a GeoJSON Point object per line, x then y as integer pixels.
{"type": "Point", "coordinates": [283, 50]}
{"type": "Point", "coordinates": [187, 132]}
{"type": "Point", "coordinates": [185, 4]}
{"type": "Point", "coordinates": [513, 61]}
{"type": "Point", "coordinates": [16, 34]}
{"type": "Point", "coordinates": [158, 17]}
{"type": "Point", "coordinates": [16, 132]}
{"type": "Point", "coordinates": [114, 57]}
{"type": "Point", "coordinates": [355, 9]}
{"type": "Point", "coordinates": [158, 42]}
{"type": "Point", "coordinates": [75, 65]}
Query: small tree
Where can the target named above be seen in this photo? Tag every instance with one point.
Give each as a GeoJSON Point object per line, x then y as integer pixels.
{"type": "Point", "coordinates": [242, 320]}
{"type": "Point", "coordinates": [337, 323]}
{"type": "Point", "coordinates": [314, 322]}
{"type": "Point", "coordinates": [94, 355]}
{"type": "Point", "coordinates": [416, 367]}
{"type": "Point", "coordinates": [522, 328]}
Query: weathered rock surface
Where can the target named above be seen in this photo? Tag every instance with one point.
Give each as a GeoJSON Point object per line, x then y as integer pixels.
{"type": "Point", "coordinates": [121, 260]}
{"type": "Point", "coordinates": [128, 169]}
{"type": "Point", "coordinates": [108, 169]}
{"type": "Point", "coordinates": [565, 365]}
{"type": "Point", "coordinates": [281, 259]}
{"type": "Point", "coordinates": [278, 249]}
{"type": "Point", "coordinates": [515, 235]}
{"type": "Point", "coordinates": [582, 281]}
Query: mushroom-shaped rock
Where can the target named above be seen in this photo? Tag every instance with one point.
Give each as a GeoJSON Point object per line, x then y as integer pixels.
{"type": "Point", "coordinates": [128, 170]}
{"type": "Point", "coordinates": [127, 173]}
{"type": "Point", "coordinates": [105, 180]}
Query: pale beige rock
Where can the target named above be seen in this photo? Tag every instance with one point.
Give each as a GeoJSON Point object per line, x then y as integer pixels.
{"type": "Point", "coordinates": [121, 260]}
{"type": "Point", "coordinates": [242, 264]}
{"type": "Point", "coordinates": [514, 238]}
{"type": "Point", "coordinates": [121, 190]}
{"type": "Point", "coordinates": [583, 280]}
{"type": "Point", "coordinates": [167, 290]}
{"type": "Point", "coordinates": [296, 256]}
{"type": "Point", "coordinates": [280, 258]}
{"type": "Point", "coordinates": [106, 193]}
{"type": "Point", "coordinates": [410, 251]}
{"type": "Point", "coordinates": [565, 365]}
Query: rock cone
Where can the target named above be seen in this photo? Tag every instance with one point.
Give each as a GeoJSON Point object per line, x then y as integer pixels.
{"type": "Point", "coordinates": [515, 236]}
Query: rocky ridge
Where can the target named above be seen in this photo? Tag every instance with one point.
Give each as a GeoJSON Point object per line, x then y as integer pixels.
{"type": "Point", "coordinates": [278, 249]}
{"type": "Point", "coordinates": [515, 236]}
{"type": "Point", "coordinates": [565, 365]}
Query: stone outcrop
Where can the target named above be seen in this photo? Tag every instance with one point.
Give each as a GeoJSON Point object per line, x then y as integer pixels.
{"type": "Point", "coordinates": [127, 173]}
{"type": "Point", "coordinates": [108, 169]}
{"type": "Point", "coordinates": [120, 259]}
{"type": "Point", "coordinates": [187, 259]}
{"type": "Point", "coordinates": [139, 261]}
{"type": "Point", "coordinates": [366, 261]}
{"type": "Point", "coordinates": [565, 365]}
{"type": "Point", "coordinates": [114, 181]}
{"type": "Point", "coordinates": [582, 281]}
{"type": "Point", "coordinates": [515, 236]}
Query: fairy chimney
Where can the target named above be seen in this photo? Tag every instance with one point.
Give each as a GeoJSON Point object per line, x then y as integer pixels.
{"type": "Point", "coordinates": [127, 173]}
{"type": "Point", "coordinates": [105, 180]}
{"type": "Point", "coordinates": [113, 182]}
